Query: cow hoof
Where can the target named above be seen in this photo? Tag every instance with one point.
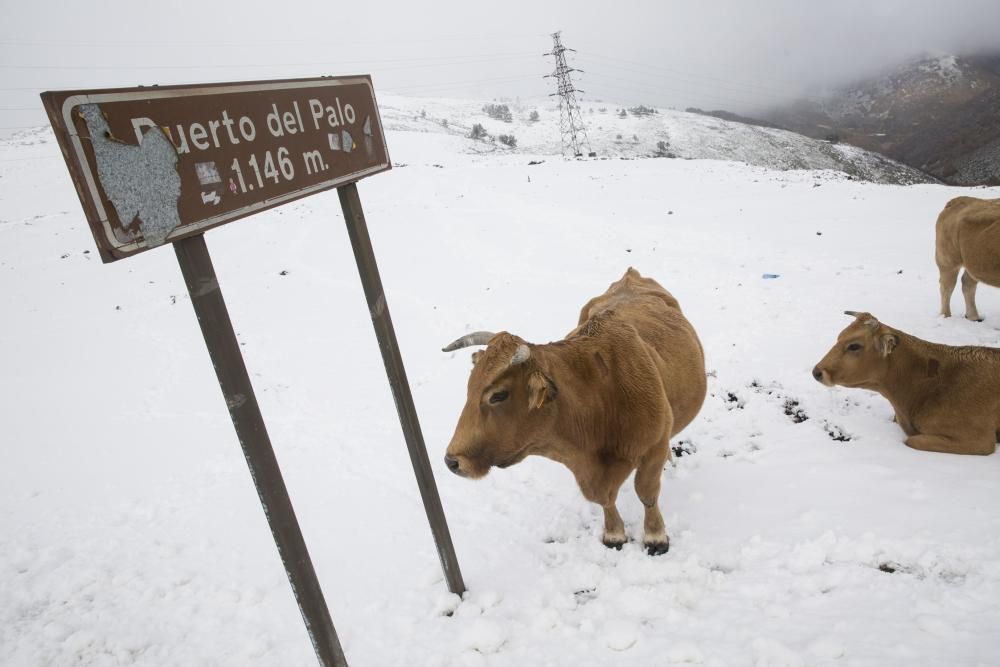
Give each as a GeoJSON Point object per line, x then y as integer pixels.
{"type": "Point", "coordinates": [613, 544]}
{"type": "Point", "coordinates": [657, 548]}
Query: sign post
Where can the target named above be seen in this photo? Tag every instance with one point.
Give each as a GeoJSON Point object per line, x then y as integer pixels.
{"type": "Point", "coordinates": [354, 216]}
{"type": "Point", "coordinates": [160, 165]}
{"type": "Point", "coordinates": [223, 348]}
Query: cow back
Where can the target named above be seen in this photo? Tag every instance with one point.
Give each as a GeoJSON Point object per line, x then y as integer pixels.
{"type": "Point", "coordinates": [671, 341]}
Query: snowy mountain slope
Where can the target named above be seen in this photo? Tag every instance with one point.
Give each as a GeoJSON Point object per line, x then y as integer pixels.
{"type": "Point", "coordinates": [130, 533]}
{"type": "Point", "coordinates": [683, 135]}
{"type": "Point", "coordinates": [936, 113]}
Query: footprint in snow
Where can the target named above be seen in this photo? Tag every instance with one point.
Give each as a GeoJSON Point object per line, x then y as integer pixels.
{"type": "Point", "coordinates": [620, 635]}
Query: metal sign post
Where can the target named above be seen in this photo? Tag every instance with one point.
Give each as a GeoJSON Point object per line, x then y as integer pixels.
{"type": "Point", "coordinates": [223, 348]}
{"type": "Point", "coordinates": [164, 164]}
{"type": "Point", "coordinates": [354, 216]}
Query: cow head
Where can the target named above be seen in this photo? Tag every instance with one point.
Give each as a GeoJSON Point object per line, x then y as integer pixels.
{"type": "Point", "coordinates": [861, 355]}
{"type": "Point", "coordinates": [506, 411]}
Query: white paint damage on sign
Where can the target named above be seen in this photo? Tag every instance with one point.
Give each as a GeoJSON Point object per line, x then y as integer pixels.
{"type": "Point", "coordinates": [141, 181]}
{"type": "Point", "coordinates": [369, 142]}
{"type": "Point", "coordinates": [236, 401]}
{"type": "Point", "coordinates": [207, 172]}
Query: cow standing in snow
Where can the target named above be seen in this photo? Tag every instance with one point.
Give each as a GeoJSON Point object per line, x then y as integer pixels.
{"type": "Point", "coordinates": [604, 402]}
{"type": "Point", "coordinates": [968, 234]}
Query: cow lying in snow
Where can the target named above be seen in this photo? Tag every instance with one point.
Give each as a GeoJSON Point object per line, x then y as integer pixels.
{"type": "Point", "coordinates": [604, 402]}
{"type": "Point", "coordinates": [947, 399]}
{"type": "Point", "coordinates": [968, 234]}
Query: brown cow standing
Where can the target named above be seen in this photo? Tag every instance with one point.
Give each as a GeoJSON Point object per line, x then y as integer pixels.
{"type": "Point", "coordinates": [604, 402]}
{"type": "Point", "coordinates": [968, 234]}
{"type": "Point", "coordinates": [946, 398]}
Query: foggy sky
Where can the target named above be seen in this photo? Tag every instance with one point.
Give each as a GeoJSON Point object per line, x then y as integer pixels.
{"type": "Point", "coordinates": [739, 56]}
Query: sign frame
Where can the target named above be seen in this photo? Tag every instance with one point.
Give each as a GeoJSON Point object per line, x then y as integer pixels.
{"type": "Point", "coordinates": [100, 211]}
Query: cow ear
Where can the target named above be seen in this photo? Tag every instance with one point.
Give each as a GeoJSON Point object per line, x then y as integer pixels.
{"type": "Point", "coordinates": [887, 343]}
{"type": "Point", "coordinates": [475, 356]}
{"type": "Point", "coordinates": [541, 390]}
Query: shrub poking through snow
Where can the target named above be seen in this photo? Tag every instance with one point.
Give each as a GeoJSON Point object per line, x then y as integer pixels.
{"type": "Point", "coordinates": [642, 110]}
{"type": "Point", "coordinates": [663, 150]}
{"type": "Point", "coordinates": [499, 112]}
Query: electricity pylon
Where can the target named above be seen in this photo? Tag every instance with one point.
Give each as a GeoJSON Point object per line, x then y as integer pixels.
{"type": "Point", "coordinates": [571, 128]}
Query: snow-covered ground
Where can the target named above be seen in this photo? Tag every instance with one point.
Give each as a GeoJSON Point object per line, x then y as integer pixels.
{"type": "Point", "coordinates": [130, 532]}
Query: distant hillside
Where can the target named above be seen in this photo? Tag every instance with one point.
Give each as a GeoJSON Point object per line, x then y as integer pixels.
{"type": "Point", "coordinates": [940, 115]}
{"type": "Point", "coordinates": [641, 133]}
{"type": "Point", "coordinates": [734, 117]}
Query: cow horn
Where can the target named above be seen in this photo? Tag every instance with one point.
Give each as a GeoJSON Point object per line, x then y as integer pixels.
{"type": "Point", "coordinates": [521, 356]}
{"type": "Point", "coordinates": [871, 322]}
{"type": "Point", "coordinates": [468, 340]}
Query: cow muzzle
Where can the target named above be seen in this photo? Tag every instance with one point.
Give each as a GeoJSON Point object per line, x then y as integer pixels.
{"type": "Point", "coordinates": [453, 464]}
{"type": "Point", "coordinates": [822, 376]}
{"type": "Point", "coordinates": [463, 466]}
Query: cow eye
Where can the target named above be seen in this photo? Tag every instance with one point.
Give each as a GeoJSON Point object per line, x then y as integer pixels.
{"type": "Point", "coordinates": [498, 396]}
{"type": "Point", "coordinates": [854, 347]}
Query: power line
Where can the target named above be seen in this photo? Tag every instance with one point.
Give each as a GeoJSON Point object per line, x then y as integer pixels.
{"type": "Point", "coordinates": [453, 64]}
{"type": "Point", "coordinates": [660, 89]}
{"type": "Point", "coordinates": [686, 72]}
{"type": "Point", "coordinates": [257, 43]}
{"type": "Point", "coordinates": [338, 63]}
{"type": "Point", "coordinates": [645, 79]}
{"type": "Point", "coordinates": [733, 91]}
{"type": "Point", "coordinates": [377, 70]}
{"type": "Point", "coordinates": [676, 85]}
{"type": "Point", "coordinates": [458, 84]}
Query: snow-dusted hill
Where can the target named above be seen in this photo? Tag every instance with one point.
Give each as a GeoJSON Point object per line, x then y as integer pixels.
{"type": "Point", "coordinates": [937, 113]}
{"type": "Point", "coordinates": [803, 531]}
{"type": "Point", "coordinates": [670, 133]}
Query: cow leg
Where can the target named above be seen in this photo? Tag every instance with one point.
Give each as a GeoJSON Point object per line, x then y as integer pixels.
{"type": "Point", "coordinates": [602, 489]}
{"type": "Point", "coordinates": [614, 527]}
{"type": "Point", "coordinates": [949, 278]}
{"type": "Point", "coordinates": [939, 443]}
{"type": "Point", "coordinates": [969, 292]}
{"type": "Point", "coordinates": [647, 487]}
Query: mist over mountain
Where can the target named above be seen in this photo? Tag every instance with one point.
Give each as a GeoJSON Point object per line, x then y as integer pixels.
{"type": "Point", "coordinates": [939, 114]}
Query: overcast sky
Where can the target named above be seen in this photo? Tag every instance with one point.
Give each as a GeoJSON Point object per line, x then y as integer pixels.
{"type": "Point", "coordinates": [731, 54]}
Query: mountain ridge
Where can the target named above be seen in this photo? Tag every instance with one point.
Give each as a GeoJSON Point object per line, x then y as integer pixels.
{"type": "Point", "coordinates": [938, 114]}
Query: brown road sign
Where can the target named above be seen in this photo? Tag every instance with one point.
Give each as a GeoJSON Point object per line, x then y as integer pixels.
{"type": "Point", "coordinates": [158, 164]}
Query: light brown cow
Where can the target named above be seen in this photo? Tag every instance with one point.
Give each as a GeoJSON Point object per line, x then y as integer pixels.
{"type": "Point", "coordinates": [946, 398]}
{"type": "Point", "coordinates": [604, 402]}
{"type": "Point", "coordinates": [968, 234]}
